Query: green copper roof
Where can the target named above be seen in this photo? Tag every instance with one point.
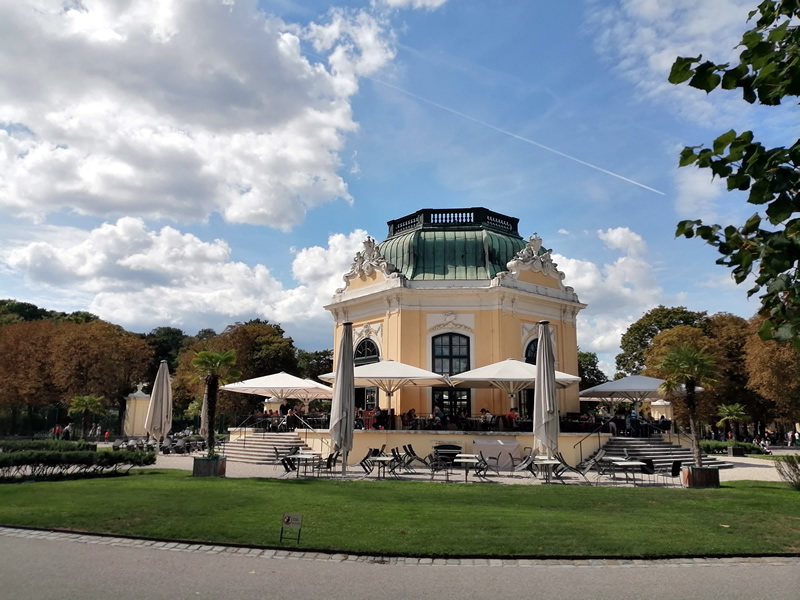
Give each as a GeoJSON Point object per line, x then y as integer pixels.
{"type": "Point", "coordinates": [447, 244]}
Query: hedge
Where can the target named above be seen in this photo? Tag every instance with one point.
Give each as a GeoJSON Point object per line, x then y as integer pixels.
{"type": "Point", "coordinates": [715, 447]}
{"type": "Point", "coordinates": [45, 445]}
{"type": "Point", "coordinates": [39, 464]}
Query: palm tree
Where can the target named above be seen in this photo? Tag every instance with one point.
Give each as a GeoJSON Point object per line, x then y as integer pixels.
{"type": "Point", "coordinates": [732, 414]}
{"type": "Point", "coordinates": [214, 368]}
{"type": "Point", "coordinates": [87, 405]}
{"type": "Point", "coordinates": [686, 368]}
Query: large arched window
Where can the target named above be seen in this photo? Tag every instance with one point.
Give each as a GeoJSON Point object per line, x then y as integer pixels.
{"type": "Point", "coordinates": [450, 356]}
{"type": "Point", "coordinates": [366, 352]}
{"type": "Point", "coordinates": [530, 351]}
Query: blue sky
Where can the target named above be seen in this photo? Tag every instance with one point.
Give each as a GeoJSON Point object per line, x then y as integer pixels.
{"type": "Point", "coordinates": [198, 163]}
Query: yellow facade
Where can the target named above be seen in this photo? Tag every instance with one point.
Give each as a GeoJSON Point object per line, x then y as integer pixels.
{"type": "Point", "coordinates": [498, 315]}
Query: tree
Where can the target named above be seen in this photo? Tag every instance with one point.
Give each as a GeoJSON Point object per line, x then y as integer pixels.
{"type": "Point", "coordinates": [167, 343]}
{"type": "Point", "coordinates": [313, 364]}
{"type": "Point", "coordinates": [588, 371]}
{"type": "Point", "coordinates": [731, 414]}
{"type": "Point", "coordinates": [214, 368]}
{"type": "Point", "coordinates": [87, 406]}
{"type": "Point", "coordinates": [639, 335]}
{"type": "Point", "coordinates": [685, 369]}
{"type": "Point", "coordinates": [773, 373]}
{"type": "Point", "coordinates": [769, 72]}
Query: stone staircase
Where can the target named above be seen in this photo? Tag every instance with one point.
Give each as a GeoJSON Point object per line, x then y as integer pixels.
{"type": "Point", "coordinates": [259, 448]}
{"type": "Point", "coordinates": [659, 450]}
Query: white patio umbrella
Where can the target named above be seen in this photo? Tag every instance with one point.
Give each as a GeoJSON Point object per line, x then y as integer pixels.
{"type": "Point", "coordinates": [634, 388]}
{"type": "Point", "coordinates": [343, 405]}
{"type": "Point", "coordinates": [509, 375]}
{"type": "Point", "coordinates": [281, 386]}
{"type": "Point", "coordinates": [545, 408]}
{"type": "Point", "coordinates": [158, 420]}
{"type": "Point", "coordinates": [390, 376]}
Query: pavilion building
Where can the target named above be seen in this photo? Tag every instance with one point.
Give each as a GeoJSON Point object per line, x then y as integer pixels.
{"type": "Point", "coordinates": [451, 290]}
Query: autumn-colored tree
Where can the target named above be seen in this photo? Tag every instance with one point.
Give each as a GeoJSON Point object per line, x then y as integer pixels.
{"type": "Point", "coordinates": [25, 373]}
{"type": "Point", "coordinates": [773, 370]}
{"type": "Point", "coordinates": [98, 358]}
{"type": "Point", "coordinates": [86, 406]}
{"type": "Point", "coordinates": [214, 369]}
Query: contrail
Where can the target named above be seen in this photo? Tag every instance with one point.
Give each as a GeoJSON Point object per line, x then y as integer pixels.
{"type": "Point", "coordinates": [515, 136]}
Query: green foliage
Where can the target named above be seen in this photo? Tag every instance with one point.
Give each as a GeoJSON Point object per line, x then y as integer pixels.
{"type": "Point", "coordinates": [167, 343]}
{"type": "Point", "coordinates": [314, 364]}
{"type": "Point", "coordinates": [45, 445]}
{"type": "Point", "coordinates": [13, 311]}
{"type": "Point", "coordinates": [43, 464]}
{"type": "Point", "coordinates": [686, 368]}
{"type": "Point", "coordinates": [214, 368]}
{"type": "Point", "coordinates": [637, 338]}
{"type": "Point", "coordinates": [715, 447]}
{"type": "Point", "coordinates": [789, 469]}
{"type": "Point", "coordinates": [769, 72]}
{"type": "Point", "coordinates": [731, 413]}
{"type": "Point", "coordinates": [588, 371]}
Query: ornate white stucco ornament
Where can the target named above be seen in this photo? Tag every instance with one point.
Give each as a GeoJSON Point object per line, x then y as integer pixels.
{"type": "Point", "coordinates": [366, 262]}
{"type": "Point", "coordinates": [531, 257]}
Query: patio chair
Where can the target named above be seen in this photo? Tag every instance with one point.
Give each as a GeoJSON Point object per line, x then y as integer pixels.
{"type": "Point", "coordinates": [117, 445]}
{"type": "Point", "coordinates": [415, 456]}
{"type": "Point", "coordinates": [407, 458]}
{"type": "Point", "coordinates": [526, 465]}
{"type": "Point", "coordinates": [289, 465]}
{"type": "Point", "coordinates": [672, 473]}
{"type": "Point", "coordinates": [438, 464]}
{"type": "Point", "coordinates": [648, 468]}
{"type": "Point", "coordinates": [180, 446]}
{"type": "Point", "coordinates": [488, 460]}
{"type": "Point", "coordinates": [328, 465]}
{"type": "Point", "coordinates": [366, 463]}
{"type": "Point", "coordinates": [565, 467]}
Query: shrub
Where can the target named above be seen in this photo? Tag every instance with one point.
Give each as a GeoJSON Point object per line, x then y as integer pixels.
{"type": "Point", "coordinates": [45, 445]}
{"type": "Point", "coordinates": [715, 447]}
{"type": "Point", "coordinates": [43, 464]}
{"type": "Point", "coordinates": [789, 469]}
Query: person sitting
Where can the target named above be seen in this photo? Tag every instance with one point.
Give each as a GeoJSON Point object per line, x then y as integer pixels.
{"type": "Point", "coordinates": [512, 419]}
{"type": "Point", "coordinates": [486, 419]}
{"type": "Point", "coordinates": [410, 419]}
{"type": "Point", "coordinates": [463, 421]}
{"type": "Point", "coordinates": [380, 418]}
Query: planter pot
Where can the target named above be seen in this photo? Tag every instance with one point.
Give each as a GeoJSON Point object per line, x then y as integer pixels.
{"type": "Point", "coordinates": [700, 477]}
{"type": "Point", "coordinates": [209, 467]}
{"type": "Point", "coordinates": [735, 451]}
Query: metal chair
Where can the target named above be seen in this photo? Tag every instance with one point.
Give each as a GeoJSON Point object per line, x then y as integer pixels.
{"type": "Point", "coordinates": [487, 461]}
{"type": "Point", "coordinates": [672, 473]}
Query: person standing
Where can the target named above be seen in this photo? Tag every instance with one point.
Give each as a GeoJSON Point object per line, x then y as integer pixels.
{"type": "Point", "coordinates": [67, 433]}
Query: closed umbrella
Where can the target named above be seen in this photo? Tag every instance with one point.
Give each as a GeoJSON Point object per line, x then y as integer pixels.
{"type": "Point", "coordinates": [545, 409]}
{"type": "Point", "coordinates": [344, 398]}
{"type": "Point", "coordinates": [158, 421]}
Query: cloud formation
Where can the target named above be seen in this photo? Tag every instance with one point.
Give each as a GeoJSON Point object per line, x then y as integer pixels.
{"type": "Point", "coordinates": [178, 110]}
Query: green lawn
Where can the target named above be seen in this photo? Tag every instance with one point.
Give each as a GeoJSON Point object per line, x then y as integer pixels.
{"type": "Point", "coordinates": [420, 518]}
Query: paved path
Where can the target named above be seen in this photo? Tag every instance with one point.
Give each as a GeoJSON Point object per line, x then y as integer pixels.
{"type": "Point", "coordinates": [744, 469]}
{"type": "Point", "coordinates": [42, 565]}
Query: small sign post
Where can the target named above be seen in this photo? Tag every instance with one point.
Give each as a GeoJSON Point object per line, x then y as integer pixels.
{"type": "Point", "coordinates": [291, 522]}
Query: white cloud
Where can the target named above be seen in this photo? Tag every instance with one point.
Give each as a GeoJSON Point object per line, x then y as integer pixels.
{"type": "Point", "coordinates": [424, 4]}
{"type": "Point", "coordinates": [135, 276]}
{"type": "Point", "coordinates": [177, 109]}
{"type": "Point", "coordinates": [642, 38]}
{"type": "Point", "coordinates": [697, 194]}
{"type": "Point", "coordinates": [563, 231]}
{"type": "Point", "coordinates": [617, 293]}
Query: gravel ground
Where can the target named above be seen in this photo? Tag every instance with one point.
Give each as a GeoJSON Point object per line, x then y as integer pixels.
{"type": "Point", "coordinates": [753, 469]}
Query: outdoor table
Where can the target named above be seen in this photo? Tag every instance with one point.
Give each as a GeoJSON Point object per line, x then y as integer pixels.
{"type": "Point", "coordinates": [466, 460]}
{"type": "Point", "coordinates": [548, 464]}
{"type": "Point", "coordinates": [304, 459]}
{"type": "Point", "coordinates": [628, 465]}
{"type": "Point", "coordinates": [502, 449]}
{"type": "Point", "coordinates": [381, 463]}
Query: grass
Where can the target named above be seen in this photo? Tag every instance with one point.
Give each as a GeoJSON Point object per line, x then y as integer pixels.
{"type": "Point", "coordinates": [420, 518]}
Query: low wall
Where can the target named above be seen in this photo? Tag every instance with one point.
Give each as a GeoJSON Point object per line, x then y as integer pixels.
{"type": "Point", "coordinates": [424, 441]}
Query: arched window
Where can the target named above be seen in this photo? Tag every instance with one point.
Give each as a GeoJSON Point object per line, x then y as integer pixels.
{"type": "Point", "coordinates": [530, 351]}
{"type": "Point", "coordinates": [451, 356]}
{"type": "Point", "coordinates": [366, 352]}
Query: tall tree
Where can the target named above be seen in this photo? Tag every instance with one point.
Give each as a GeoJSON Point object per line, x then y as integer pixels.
{"type": "Point", "coordinates": [167, 343]}
{"type": "Point", "coordinates": [214, 369]}
{"type": "Point", "coordinates": [637, 338]}
{"type": "Point", "coordinates": [87, 406]}
{"type": "Point", "coordinates": [313, 364]}
{"type": "Point", "coordinates": [589, 371]}
{"type": "Point", "coordinates": [767, 244]}
{"type": "Point", "coordinates": [686, 368]}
